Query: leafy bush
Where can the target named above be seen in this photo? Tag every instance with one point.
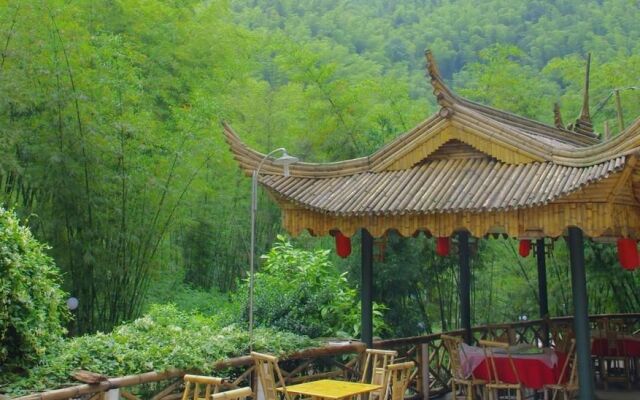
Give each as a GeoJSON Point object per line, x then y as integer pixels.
{"type": "Point", "coordinates": [171, 288]}
{"type": "Point", "coordinates": [32, 305]}
{"type": "Point", "coordinates": [301, 291]}
{"type": "Point", "coordinates": [164, 338]}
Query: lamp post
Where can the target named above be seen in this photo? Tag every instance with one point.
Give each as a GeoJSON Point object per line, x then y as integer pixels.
{"type": "Point", "coordinates": [285, 160]}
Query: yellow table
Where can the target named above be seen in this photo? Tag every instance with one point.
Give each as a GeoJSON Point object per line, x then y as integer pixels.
{"type": "Point", "coordinates": [331, 389]}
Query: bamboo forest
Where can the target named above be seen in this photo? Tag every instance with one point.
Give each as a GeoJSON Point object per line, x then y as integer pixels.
{"type": "Point", "coordinates": [127, 131]}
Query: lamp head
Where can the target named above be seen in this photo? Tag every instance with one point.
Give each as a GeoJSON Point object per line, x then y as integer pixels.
{"type": "Point", "coordinates": [285, 160]}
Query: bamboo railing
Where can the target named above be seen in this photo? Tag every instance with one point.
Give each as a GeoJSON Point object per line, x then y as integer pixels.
{"type": "Point", "coordinates": [335, 360]}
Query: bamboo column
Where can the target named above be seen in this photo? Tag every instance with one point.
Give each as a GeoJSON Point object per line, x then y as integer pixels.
{"type": "Point", "coordinates": [366, 288]}
{"type": "Point", "coordinates": [465, 284]}
{"type": "Point", "coordinates": [581, 313]}
{"type": "Point", "coordinates": [542, 290]}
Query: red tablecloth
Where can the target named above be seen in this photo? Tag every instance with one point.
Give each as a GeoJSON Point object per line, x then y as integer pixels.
{"type": "Point", "coordinates": [624, 346]}
{"type": "Point", "coordinates": [533, 373]}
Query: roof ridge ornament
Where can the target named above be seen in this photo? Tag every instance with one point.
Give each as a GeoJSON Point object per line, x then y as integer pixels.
{"type": "Point", "coordinates": [443, 94]}
{"type": "Point", "coordinates": [584, 113]}
{"type": "Point", "coordinates": [445, 112]}
{"type": "Point", "coordinates": [583, 124]}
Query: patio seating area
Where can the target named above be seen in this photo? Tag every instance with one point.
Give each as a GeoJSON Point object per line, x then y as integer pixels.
{"type": "Point", "coordinates": [423, 364]}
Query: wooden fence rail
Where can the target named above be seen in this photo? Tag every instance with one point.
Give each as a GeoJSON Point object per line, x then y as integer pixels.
{"type": "Point", "coordinates": [340, 359]}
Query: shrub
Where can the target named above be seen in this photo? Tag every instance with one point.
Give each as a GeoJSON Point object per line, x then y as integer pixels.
{"type": "Point", "coordinates": [32, 304]}
{"type": "Point", "coordinates": [301, 291]}
{"type": "Point", "coordinates": [164, 338]}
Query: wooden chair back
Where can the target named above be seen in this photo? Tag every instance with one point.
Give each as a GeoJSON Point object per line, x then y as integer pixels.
{"type": "Point", "coordinates": [377, 362]}
{"type": "Point", "coordinates": [618, 325]}
{"type": "Point", "coordinates": [487, 348]}
{"type": "Point", "coordinates": [398, 378]}
{"type": "Point", "coordinates": [613, 344]}
{"type": "Point", "coordinates": [235, 394]}
{"type": "Point", "coordinates": [569, 362]}
{"type": "Point", "coordinates": [269, 376]}
{"type": "Point", "coordinates": [612, 330]}
{"type": "Point", "coordinates": [500, 333]}
{"type": "Point", "coordinates": [562, 336]}
{"type": "Point", "coordinates": [193, 385]}
{"type": "Point", "coordinates": [602, 325]}
{"type": "Point", "coordinates": [508, 336]}
{"type": "Point", "coordinates": [452, 344]}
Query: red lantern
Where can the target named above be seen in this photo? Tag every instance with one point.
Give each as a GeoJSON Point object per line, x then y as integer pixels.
{"type": "Point", "coordinates": [525, 247]}
{"type": "Point", "coordinates": [628, 254]}
{"type": "Point", "coordinates": [343, 245]}
{"type": "Point", "coordinates": [442, 246]}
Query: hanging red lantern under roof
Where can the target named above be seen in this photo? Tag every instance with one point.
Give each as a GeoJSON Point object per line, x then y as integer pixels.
{"type": "Point", "coordinates": [628, 254]}
{"type": "Point", "coordinates": [524, 248]}
{"type": "Point", "coordinates": [442, 246]}
{"type": "Point", "coordinates": [343, 244]}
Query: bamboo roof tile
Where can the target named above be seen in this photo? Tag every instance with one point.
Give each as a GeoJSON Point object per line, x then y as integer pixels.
{"type": "Point", "coordinates": [440, 186]}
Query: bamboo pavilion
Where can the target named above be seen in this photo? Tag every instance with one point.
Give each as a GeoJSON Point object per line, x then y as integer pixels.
{"type": "Point", "coordinates": [471, 170]}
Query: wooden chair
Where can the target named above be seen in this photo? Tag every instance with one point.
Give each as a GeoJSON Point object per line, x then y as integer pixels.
{"type": "Point", "coordinates": [193, 383]}
{"type": "Point", "coordinates": [568, 387]}
{"type": "Point", "coordinates": [495, 383]}
{"type": "Point", "coordinates": [398, 378]}
{"type": "Point", "coordinates": [616, 365]}
{"type": "Point", "coordinates": [377, 361]}
{"type": "Point", "coordinates": [469, 385]}
{"type": "Point", "coordinates": [269, 376]}
{"type": "Point", "coordinates": [235, 394]}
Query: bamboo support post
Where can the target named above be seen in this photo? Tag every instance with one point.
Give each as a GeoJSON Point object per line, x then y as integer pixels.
{"type": "Point", "coordinates": [424, 371]}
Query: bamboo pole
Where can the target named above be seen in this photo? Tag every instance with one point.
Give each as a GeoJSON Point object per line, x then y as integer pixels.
{"type": "Point", "coordinates": [619, 111]}
{"type": "Point", "coordinates": [113, 383]}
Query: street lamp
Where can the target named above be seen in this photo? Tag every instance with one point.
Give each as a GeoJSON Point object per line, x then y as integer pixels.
{"type": "Point", "coordinates": [285, 160]}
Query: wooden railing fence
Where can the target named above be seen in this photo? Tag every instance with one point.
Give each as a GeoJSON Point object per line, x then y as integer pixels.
{"type": "Point", "coordinates": [336, 360]}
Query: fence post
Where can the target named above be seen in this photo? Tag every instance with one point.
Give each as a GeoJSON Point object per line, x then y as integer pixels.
{"type": "Point", "coordinates": [424, 370]}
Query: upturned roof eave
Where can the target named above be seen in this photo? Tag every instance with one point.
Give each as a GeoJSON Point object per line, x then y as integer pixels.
{"type": "Point", "coordinates": [625, 143]}
{"type": "Point", "coordinates": [447, 98]}
{"type": "Point", "coordinates": [249, 160]}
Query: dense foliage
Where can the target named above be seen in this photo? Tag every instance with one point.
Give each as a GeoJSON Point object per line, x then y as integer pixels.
{"type": "Point", "coordinates": [164, 338]}
{"type": "Point", "coordinates": [32, 305]}
{"type": "Point", "coordinates": [110, 112]}
{"type": "Point", "coordinates": [301, 291]}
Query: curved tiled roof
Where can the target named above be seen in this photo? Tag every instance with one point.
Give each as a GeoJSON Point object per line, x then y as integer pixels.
{"type": "Point", "coordinates": [440, 186]}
